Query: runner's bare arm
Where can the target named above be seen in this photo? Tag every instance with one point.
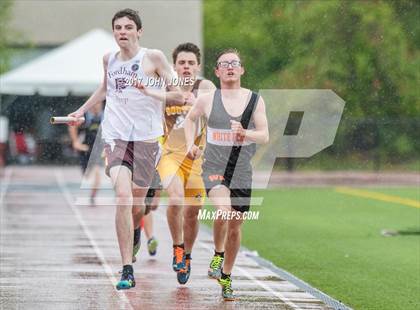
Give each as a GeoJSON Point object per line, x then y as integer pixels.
{"type": "Point", "coordinates": [260, 134]}
{"type": "Point", "coordinates": [98, 96]}
{"type": "Point", "coordinates": [199, 109]}
{"type": "Point", "coordinates": [75, 141]}
{"type": "Point", "coordinates": [206, 86]}
{"type": "Point", "coordinates": [164, 71]}
{"type": "Point", "coordinates": [189, 98]}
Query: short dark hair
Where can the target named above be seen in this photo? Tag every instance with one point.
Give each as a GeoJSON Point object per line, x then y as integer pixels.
{"type": "Point", "coordinates": [228, 51]}
{"type": "Point", "coordinates": [130, 14]}
{"type": "Point", "coordinates": [186, 47]}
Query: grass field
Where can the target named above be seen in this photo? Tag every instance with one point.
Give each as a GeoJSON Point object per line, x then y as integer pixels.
{"type": "Point", "coordinates": [333, 241]}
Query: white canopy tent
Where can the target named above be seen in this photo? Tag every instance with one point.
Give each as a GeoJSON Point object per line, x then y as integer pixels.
{"type": "Point", "coordinates": [74, 68]}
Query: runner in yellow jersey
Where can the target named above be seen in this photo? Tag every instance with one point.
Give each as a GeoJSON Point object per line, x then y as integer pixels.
{"type": "Point", "coordinates": [181, 177]}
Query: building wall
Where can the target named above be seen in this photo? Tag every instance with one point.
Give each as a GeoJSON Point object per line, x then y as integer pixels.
{"type": "Point", "coordinates": [53, 22]}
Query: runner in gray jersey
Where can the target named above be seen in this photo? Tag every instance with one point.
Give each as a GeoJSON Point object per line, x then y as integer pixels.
{"type": "Point", "coordinates": [236, 121]}
{"type": "Point", "coordinates": [226, 155]}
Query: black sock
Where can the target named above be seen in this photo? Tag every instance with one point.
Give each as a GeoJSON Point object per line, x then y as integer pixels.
{"type": "Point", "coordinates": [137, 234]}
{"type": "Point", "coordinates": [225, 276]}
{"type": "Point", "coordinates": [222, 254]}
{"type": "Point", "coordinates": [188, 256]}
{"type": "Point", "coordinates": [178, 245]}
{"type": "Point", "coordinates": [128, 269]}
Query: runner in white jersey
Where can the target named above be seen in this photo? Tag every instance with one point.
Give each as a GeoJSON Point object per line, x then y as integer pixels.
{"type": "Point", "coordinates": [134, 93]}
{"type": "Point", "coordinates": [129, 114]}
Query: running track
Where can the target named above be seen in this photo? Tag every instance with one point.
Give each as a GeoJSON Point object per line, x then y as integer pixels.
{"type": "Point", "coordinates": [59, 255]}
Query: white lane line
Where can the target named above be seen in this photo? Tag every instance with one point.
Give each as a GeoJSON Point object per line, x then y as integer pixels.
{"type": "Point", "coordinates": [243, 271]}
{"type": "Point", "coordinates": [98, 252]}
{"type": "Point", "coordinates": [5, 185]}
{"type": "Point", "coordinates": [258, 282]}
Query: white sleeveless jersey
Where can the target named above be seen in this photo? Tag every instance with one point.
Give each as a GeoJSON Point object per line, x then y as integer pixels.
{"type": "Point", "coordinates": [129, 114]}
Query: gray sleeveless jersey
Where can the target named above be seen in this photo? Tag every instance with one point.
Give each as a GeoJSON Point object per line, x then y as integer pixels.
{"type": "Point", "coordinates": [224, 150]}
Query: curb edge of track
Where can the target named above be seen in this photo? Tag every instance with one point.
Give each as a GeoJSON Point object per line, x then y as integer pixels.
{"type": "Point", "coordinates": [328, 300]}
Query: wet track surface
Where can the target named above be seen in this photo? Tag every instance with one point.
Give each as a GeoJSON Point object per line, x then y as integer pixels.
{"type": "Point", "coordinates": [59, 255]}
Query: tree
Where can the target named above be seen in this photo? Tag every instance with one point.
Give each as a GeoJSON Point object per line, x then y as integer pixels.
{"type": "Point", "coordinates": [247, 26]}
{"type": "Point", "coordinates": [5, 6]}
{"type": "Point", "coordinates": [366, 51]}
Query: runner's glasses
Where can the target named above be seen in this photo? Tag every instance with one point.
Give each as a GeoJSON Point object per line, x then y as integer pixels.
{"type": "Point", "coordinates": [225, 64]}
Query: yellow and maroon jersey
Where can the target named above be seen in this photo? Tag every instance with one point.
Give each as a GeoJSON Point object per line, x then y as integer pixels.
{"type": "Point", "coordinates": [174, 118]}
